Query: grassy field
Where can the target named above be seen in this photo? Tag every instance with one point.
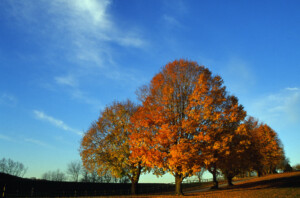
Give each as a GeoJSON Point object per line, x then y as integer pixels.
{"type": "Point", "coordinates": [277, 185]}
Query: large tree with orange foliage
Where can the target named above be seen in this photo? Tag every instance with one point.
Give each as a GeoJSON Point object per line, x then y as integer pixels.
{"type": "Point", "coordinates": [105, 146]}
{"type": "Point", "coordinates": [266, 150]}
{"type": "Point", "coordinates": [183, 104]}
{"type": "Point", "coordinates": [216, 116]}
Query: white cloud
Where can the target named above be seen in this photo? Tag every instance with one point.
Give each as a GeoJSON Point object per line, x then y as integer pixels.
{"type": "Point", "coordinates": [84, 31]}
{"type": "Point", "coordinates": [66, 80]}
{"type": "Point", "coordinates": [56, 122]}
{"type": "Point", "coordinates": [293, 89]}
{"type": "Point", "coordinates": [92, 35]}
{"type": "Point", "coordinates": [89, 22]}
{"type": "Point", "coordinates": [92, 9]}
{"type": "Point", "coordinates": [278, 108]}
{"type": "Point", "coordinates": [80, 39]}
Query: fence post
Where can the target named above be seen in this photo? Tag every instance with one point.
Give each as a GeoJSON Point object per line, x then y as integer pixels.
{"type": "Point", "coordinates": [3, 194]}
{"type": "Point", "coordinates": [32, 191]}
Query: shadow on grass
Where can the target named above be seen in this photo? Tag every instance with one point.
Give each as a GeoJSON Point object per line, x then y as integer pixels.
{"type": "Point", "coordinates": [285, 182]}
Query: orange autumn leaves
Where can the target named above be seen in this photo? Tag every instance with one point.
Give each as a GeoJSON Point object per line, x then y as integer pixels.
{"type": "Point", "coordinates": [266, 151]}
{"type": "Point", "coordinates": [187, 120]}
{"type": "Point", "coordinates": [163, 139]}
{"type": "Point", "coordinates": [105, 146]}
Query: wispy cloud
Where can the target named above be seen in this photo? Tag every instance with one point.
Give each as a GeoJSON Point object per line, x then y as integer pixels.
{"type": "Point", "coordinates": [24, 139]}
{"type": "Point", "coordinates": [8, 99]}
{"type": "Point", "coordinates": [56, 122]}
{"type": "Point", "coordinates": [6, 138]}
{"type": "Point", "coordinates": [37, 142]}
{"type": "Point", "coordinates": [171, 21]}
{"type": "Point", "coordinates": [176, 6]}
{"type": "Point", "coordinates": [92, 32]}
{"type": "Point", "coordinates": [280, 107]}
{"type": "Point", "coordinates": [90, 9]}
{"type": "Point", "coordinates": [71, 86]}
{"type": "Point", "coordinates": [81, 34]}
{"type": "Point", "coordinates": [292, 89]}
{"type": "Point", "coordinates": [68, 80]}
{"type": "Point", "coordinates": [77, 94]}
{"type": "Point", "coordinates": [91, 28]}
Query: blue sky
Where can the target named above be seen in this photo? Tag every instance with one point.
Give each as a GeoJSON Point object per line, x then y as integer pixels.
{"type": "Point", "coordinates": [62, 61]}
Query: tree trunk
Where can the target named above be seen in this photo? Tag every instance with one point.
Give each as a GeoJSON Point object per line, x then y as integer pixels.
{"type": "Point", "coordinates": [229, 180]}
{"type": "Point", "coordinates": [178, 184]}
{"type": "Point", "coordinates": [259, 173]}
{"type": "Point", "coordinates": [134, 187]}
{"type": "Point", "coordinates": [135, 179]}
{"type": "Point", "coordinates": [215, 181]}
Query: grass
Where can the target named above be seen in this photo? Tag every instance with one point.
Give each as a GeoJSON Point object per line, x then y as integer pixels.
{"type": "Point", "coordinates": [277, 185]}
{"type": "Point", "coordinates": [285, 185]}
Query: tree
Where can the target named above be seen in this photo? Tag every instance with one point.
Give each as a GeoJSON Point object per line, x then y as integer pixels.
{"type": "Point", "coordinates": [288, 168]}
{"type": "Point", "coordinates": [296, 167]}
{"type": "Point", "coordinates": [90, 176]}
{"type": "Point", "coordinates": [161, 139]}
{"type": "Point", "coordinates": [47, 176]}
{"type": "Point", "coordinates": [54, 176]}
{"type": "Point", "coordinates": [200, 174]}
{"type": "Point", "coordinates": [105, 146]}
{"type": "Point", "coordinates": [181, 106]}
{"type": "Point", "coordinates": [74, 169]}
{"type": "Point", "coordinates": [236, 159]}
{"type": "Point", "coordinates": [11, 167]}
{"type": "Point", "coordinates": [221, 121]}
{"type": "Point", "coordinates": [284, 165]}
{"type": "Point", "coordinates": [266, 149]}
{"type": "Point", "coordinates": [93, 177]}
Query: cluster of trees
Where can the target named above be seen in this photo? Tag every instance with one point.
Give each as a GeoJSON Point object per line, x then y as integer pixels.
{"type": "Point", "coordinates": [11, 167]}
{"type": "Point", "coordinates": [296, 167]}
{"type": "Point", "coordinates": [54, 176]}
{"type": "Point", "coordinates": [77, 173]}
{"type": "Point", "coordinates": [187, 121]}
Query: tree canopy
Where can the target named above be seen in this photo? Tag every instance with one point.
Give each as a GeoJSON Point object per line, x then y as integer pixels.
{"type": "Point", "coordinates": [105, 146]}
{"type": "Point", "coordinates": [187, 121]}
{"type": "Point", "coordinates": [11, 167]}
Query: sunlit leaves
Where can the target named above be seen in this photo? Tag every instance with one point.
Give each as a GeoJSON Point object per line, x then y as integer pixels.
{"type": "Point", "coordinates": [182, 119]}
{"type": "Point", "coordinates": [105, 146]}
{"type": "Point", "coordinates": [187, 120]}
